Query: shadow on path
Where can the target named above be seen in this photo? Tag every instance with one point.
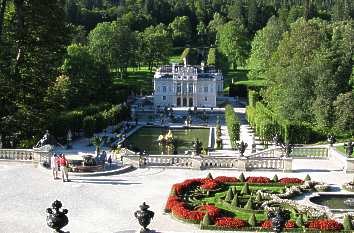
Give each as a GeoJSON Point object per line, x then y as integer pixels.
{"type": "Point", "coordinates": [102, 181]}
{"type": "Point", "coordinates": [314, 170]}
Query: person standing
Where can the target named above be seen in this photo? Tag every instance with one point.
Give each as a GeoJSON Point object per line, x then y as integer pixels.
{"type": "Point", "coordinates": [54, 166]}
{"type": "Point", "coordinates": [109, 160]}
{"type": "Point", "coordinates": [64, 168]}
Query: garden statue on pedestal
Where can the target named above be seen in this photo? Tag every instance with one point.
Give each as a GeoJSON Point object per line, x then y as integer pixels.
{"type": "Point", "coordinates": [254, 144]}
{"type": "Point", "coordinates": [144, 217]}
{"type": "Point", "coordinates": [287, 148]}
{"type": "Point", "coordinates": [47, 139]}
{"type": "Point", "coordinates": [349, 148]}
{"type": "Point", "coordinates": [242, 148]}
{"type": "Point", "coordinates": [197, 146]}
{"type": "Point", "coordinates": [276, 140]}
{"type": "Point", "coordinates": [331, 139]}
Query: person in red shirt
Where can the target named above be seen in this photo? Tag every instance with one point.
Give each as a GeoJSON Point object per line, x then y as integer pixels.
{"type": "Point", "coordinates": [63, 162]}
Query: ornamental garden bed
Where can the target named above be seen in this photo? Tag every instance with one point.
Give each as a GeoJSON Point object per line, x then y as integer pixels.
{"type": "Point", "coordinates": [230, 203]}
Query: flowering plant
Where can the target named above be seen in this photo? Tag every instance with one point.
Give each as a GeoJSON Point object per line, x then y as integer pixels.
{"type": "Point", "coordinates": [267, 224]}
{"type": "Point", "coordinates": [290, 224]}
{"type": "Point", "coordinates": [230, 222]}
{"type": "Point", "coordinates": [325, 225]}
{"type": "Point", "coordinates": [212, 211]}
{"type": "Point", "coordinates": [180, 210]}
{"type": "Point", "coordinates": [212, 184]}
{"type": "Point", "coordinates": [291, 181]}
{"type": "Point", "coordinates": [258, 179]}
{"type": "Point", "coordinates": [226, 179]}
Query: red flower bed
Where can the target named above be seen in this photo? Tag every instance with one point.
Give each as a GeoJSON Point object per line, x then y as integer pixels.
{"type": "Point", "coordinates": [180, 210]}
{"type": "Point", "coordinates": [290, 224]}
{"type": "Point", "coordinates": [325, 225]}
{"type": "Point", "coordinates": [171, 202]}
{"type": "Point", "coordinates": [225, 179]}
{"type": "Point", "coordinates": [291, 181]}
{"type": "Point", "coordinates": [213, 211]}
{"type": "Point", "coordinates": [212, 184]}
{"type": "Point", "coordinates": [180, 187]}
{"type": "Point", "coordinates": [258, 180]}
{"type": "Point", "coordinates": [230, 222]}
{"type": "Point", "coordinates": [267, 224]}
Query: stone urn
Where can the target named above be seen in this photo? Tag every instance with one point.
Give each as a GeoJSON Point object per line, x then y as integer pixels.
{"type": "Point", "coordinates": [57, 219]}
{"type": "Point", "coordinates": [144, 217]}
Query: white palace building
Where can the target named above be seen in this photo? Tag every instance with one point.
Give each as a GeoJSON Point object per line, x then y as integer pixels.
{"type": "Point", "coordinates": [187, 86]}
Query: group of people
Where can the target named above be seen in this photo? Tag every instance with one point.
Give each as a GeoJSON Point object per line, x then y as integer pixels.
{"type": "Point", "coordinates": [60, 163]}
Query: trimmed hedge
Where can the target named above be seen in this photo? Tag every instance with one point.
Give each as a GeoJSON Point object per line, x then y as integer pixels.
{"type": "Point", "coordinates": [233, 125]}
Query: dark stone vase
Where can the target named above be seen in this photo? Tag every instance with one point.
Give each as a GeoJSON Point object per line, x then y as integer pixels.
{"type": "Point", "coordinates": [57, 219]}
{"type": "Point", "coordinates": [144, 217]}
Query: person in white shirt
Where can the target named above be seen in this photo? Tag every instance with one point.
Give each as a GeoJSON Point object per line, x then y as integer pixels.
{"type": "Point", "coordinates": [54, 165]}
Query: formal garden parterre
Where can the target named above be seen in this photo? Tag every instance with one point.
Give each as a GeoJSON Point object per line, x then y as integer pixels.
{"type": "Point", "coordinates": [242, 204]}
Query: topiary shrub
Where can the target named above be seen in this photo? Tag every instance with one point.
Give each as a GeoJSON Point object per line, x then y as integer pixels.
{"type": "Point", "coordinates": [229, 195]}
{"type": "Point", "coordinates": [252, 220]}
{"type": "Point", "coordinates": [245, 189]}
{"type": "Point", "coordinates": [242, 177]}
{"type": "Point", "coordinates": [307, 177]}
{"type": "Point", "coordinates": [209, 176]}
{"type": "Point", "coordinates": [347, 223]}
{"type": "Point", "coordinates": [275, 178]}
{"type": "Point", "coordinates": [249, 204]}
{"type": "Point", "coordinates": [258, 197]}
{"type": "Point", "coordinates": [299, 221]}
{"type": "Point", "coordinates": [234, 202]}
{"type": "Point", "coordinates": [207, 220]}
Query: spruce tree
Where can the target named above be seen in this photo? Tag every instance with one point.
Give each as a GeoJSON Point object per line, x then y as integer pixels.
{"type": "Point", "coordinates": [299, 221]}
{"type": "Point", "coordinates": [209, 176]}
{"type": "Point", "coordinates": [307, 177]}
{"type": "Point", "coordinates": [206, 220]}
{"type": "Point", "coordinates": [275, 178]}
{"type": "Point", "coordinates": [245, 189]}
{"type": "Point", "coordinates": [249, 204]}
{"type": "Point", "coordinates": [229, 195]}
{"type": "Point", "coordinates": [242, 177]}
{"type": "Point", "coordinates": [234, 202]}
{"type": "Point", "coordinates": [252, 220]}
{"type": "Point", "coordinates": [347, 223]}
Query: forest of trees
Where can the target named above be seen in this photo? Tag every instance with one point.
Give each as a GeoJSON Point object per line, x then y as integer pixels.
{"type": "Point", "coordinates": [59, 55]}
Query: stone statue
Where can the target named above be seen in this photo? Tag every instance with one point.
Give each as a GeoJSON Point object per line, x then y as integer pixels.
{"type": "Point", "coordinates": [349, 148]}
{"type": "Point", "coordinates": [287, 148]}
{"type": "Point", "coordinates": [45, 140]}
{"type": "Point", "coordinates": [276, 139]}
{"type": "Point", "coordinates": [68, 139]}
{"type": "Point", "coordinates": [331, 139]}
{"type": "Point", "coordinates": [197, 145]}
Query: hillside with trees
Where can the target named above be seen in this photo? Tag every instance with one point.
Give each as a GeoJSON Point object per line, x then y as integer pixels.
{"type": "Point", "coordinates": [71, 61]}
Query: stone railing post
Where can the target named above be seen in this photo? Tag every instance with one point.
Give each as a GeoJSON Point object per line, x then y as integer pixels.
{"type": "Point", "coordinates": [196, 163]}
{"type": "Point", "coordinates": [242, 164]}
{"type": "Point", "coordinates": [288, 164]}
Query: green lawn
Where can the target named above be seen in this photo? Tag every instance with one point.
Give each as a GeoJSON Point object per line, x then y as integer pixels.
{"type": "Point", "coordinates": [341, 149]}
{"type": "Point", "coordinates": [235, 75]}
{"type": "Point", "coordinates": [138, 79]}
{"type": "Point", "coordinates": [254, 83]}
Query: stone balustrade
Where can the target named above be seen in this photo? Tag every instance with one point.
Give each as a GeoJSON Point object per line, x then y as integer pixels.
{"type": "Point", "coordinates": [237, 163]}
{"type": "Point", "coordinates": [35, 155]}
{"type": "Point", "coordinates": [310, 152]}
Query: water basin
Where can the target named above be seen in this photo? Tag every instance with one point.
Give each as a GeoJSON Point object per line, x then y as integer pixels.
{"type": "Point", "coordinates": [334, 201]}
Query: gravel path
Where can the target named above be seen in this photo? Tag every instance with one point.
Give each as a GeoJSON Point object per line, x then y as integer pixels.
{"type": "Point", "coordinates": [106, 204]}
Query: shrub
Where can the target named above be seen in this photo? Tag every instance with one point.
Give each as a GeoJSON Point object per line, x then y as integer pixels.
{"type": "Point", "coordinates": [275, 178]}
{"type": "Point", "coordinates": [233, 125]}
{"type": "Point", "coordinates": [245, 189]}
{"type": "Point", "coordinates": [252, 220]}
{"type": "Point", "coordinates": [89, 124]}
{"type": "Point", "coordinates": [207, 220]}
{"type": "Point", "coordinates": [325, 225]}
{"type": "Point", "coordinates": [307, 177]}
{"type": "Point", "coordinates": [234, 202]}
{"type": "Point", "coordinates": [347, 223]}
{"type": "Point", "coordinates": [209, 176]}
{"type": "Point", "coordinates": [230, 222]}
{"type": "Point", "coordinates": [242, 177]}
{"type": "Point", "coordinates": [258, 180]}
{"type": "Point", "coordinates": [249, 204]}
{"type": "Point", "coordinates": [299, 221]}
{"type": "Point", "coordinates": [229, 195]}
{"type": "Point", "coordinates": [212, 211]}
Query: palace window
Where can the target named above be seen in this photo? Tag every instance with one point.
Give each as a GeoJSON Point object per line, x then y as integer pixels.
{"type": "Point", "coordinates": [164, 89]}
{"type": "Point", "coordinates": [205, 98]}
{"type": "Point", "coordinates": [206, 89]}
{"type": "Point", "coordinates": [163, 97]}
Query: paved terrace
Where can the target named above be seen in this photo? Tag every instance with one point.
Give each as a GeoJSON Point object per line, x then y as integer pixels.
{"type": "Point", "coordinates": [106, 204]}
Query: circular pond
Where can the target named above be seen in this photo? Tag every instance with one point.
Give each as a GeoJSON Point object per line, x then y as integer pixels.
{"type": "Point", "coordinates": [335, 201]}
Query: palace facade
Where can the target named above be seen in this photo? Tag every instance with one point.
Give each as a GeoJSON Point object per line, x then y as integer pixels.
{"type": "Point", "coordinates": [187, 86]}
